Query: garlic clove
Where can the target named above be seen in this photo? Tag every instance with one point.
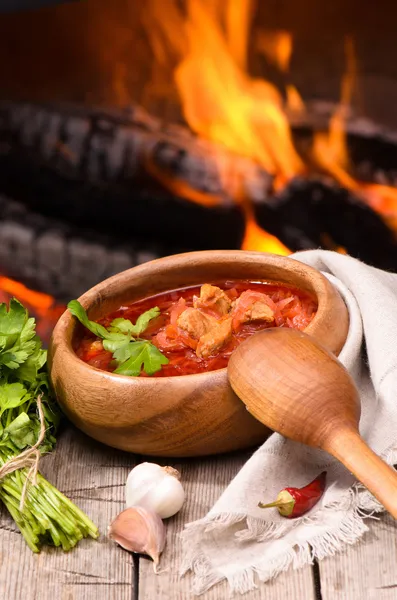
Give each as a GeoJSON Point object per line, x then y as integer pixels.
{"type": "Point", "coordinates": [166, 499]}
{"type": "Point", "coordinates": [137, 529]}
{"type": "Point", "coordinates": [140, 481]}
{"type": "Point", "coordinates": [155, 488]}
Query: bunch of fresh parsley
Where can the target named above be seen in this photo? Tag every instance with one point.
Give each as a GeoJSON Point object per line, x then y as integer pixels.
{"type": "Point", "coordinates": [47, 515]}
{"type": "Point", "coordinates": [130, 353]}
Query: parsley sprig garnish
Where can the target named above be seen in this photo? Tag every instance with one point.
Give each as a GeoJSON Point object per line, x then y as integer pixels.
{"type": "Point", "coordinates": [122, 339]}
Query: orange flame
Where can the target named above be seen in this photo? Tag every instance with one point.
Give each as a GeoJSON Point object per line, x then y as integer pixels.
{"type": "Point", "coordinates": [331, 153]}
{"type": "Point", "coordinates": [276, 46]}
{"type": "Point", "coordinates": [238, 21]}
{"type": "Point", "coordinates": [330, 149]}
{"type": "Point", "coordinates": [256, 238]}
{"type": "Point", "coordinates": [220, 101]}
{"type": "Point", "coordinates": [294, 99]}
{"type": "Point", "coordinates": [41, 302]}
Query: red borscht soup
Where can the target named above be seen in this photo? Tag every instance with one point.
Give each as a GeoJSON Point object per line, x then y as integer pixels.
{"type": "Point", "coordinates": [198, 327]}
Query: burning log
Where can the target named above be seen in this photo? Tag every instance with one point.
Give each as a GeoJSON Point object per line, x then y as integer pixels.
{"type": "Point", "coordinates": [124, 175]}
{"type": "Point", "coordinates": [126, 172]}
{"type": "Point", "coordinates": [313, 213]}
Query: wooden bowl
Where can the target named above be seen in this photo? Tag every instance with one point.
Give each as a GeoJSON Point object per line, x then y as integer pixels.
{"type": "Point", "coordinates": [190, 415]}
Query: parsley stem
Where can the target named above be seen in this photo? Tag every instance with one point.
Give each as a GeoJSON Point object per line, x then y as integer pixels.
{"type": "Point", "coordinates": [46, 513]}
{"type": "Point", "coordinates": [79, 514]}
{"type": "Point", "coordinates": [32, 539]}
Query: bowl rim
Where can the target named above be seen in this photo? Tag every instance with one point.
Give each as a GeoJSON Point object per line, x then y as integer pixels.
{"type": "Point", "coordinates": [321, 283]}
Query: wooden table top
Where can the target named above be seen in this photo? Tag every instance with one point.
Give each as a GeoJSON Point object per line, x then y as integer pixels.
{"type": "Point", "coordinates": [94, 477]}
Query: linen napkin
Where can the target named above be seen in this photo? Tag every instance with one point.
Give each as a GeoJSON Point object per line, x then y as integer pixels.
{"type": "Point", "coordinates": [242, 543]}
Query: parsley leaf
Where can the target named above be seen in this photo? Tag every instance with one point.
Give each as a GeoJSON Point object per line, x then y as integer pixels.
{"type": "Point", "coordinates": [115, 345]}
{"type": "Point", "coordinates": [23, 431]}
{"type": "Point", "coordinates": [123, 351]}
{"type": "Point", "coordinates": [17, 347]}
{"type": "Point", "coordinates": [12, 395]}
{"type": "Point", "coordinates": [28, 371]}
{"type": "Point", "coordinates": [141, 324]}
{"type": "Point", "coordinates": [12, 321]}
{"type": "Point", "coordinates": [13, 358]}
{"type": "Point", "coordinates": [99, 330]}
{"type": "Point", "coordinates": [130, 354]}
{"type": "Point", "coordinates": [142, 354]}
{"type": "Point", "coordinates": [22, 378]}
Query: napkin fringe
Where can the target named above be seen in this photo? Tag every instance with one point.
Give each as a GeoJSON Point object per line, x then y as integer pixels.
{"type": "Point", "coordinates": [260, 530]}
{"type": "Point", "coordinates": [349, 530]}
{"type": "Point", "coordinates": [204, 575]}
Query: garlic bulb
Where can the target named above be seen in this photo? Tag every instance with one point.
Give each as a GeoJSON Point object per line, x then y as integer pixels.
{"type": "Point", "coordinates": [155, 488]}
{"type": "Point", "coordinates": [139, 530]}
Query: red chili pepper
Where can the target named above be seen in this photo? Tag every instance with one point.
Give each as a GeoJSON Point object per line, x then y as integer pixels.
{"type": "Point", "coordinates": [295, 502]}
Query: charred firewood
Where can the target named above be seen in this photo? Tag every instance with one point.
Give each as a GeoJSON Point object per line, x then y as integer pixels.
{"type": "Point", "coordinates": [49, 255]}
{"type": "Point", "coordinates": [319, 214]}
{"type": "Point", "coordinates": [126, 175]}
{"type": "Point", "coordinates": [127, 172]}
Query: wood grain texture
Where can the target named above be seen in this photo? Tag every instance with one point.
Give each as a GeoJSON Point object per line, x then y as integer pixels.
{"type": "Point", "coordinates": [366, 570]}
{"type": "Point", "coordinates": [195, 414]}
{"type": "Point", "coordinates": [204, 482]}
{"type": "Point", "coordinates": [93, 476]}
{"type": "Point", "coordinates": [296, 387]}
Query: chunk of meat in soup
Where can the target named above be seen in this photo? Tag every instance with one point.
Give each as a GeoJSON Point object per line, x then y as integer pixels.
{"type": "Point", "coordinates": [212, 341]}
{"type": "Point", "coordinates": [195, 322]}
{"type": "Point", "coordinates": [253, 306]}
{"type": "Point", "coordinates": [213, 299]}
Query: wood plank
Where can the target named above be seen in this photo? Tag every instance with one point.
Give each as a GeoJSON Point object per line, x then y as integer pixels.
{"type": "Point", "coordinates": [93, 476]}
{"type": "Point", "coordinates": [365, 570]}
{"type": "Point", "coordinates": [204, 481]}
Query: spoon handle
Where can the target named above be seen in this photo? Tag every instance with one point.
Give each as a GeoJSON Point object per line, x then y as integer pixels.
{"type": "Point", "coordinates": [377, 476]}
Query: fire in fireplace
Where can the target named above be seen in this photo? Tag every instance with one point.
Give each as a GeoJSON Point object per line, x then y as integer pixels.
{"type": "Point", "coordinates": [173, 125]}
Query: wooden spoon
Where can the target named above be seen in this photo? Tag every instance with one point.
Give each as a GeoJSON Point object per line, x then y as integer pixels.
{"type": "Point", "coordinates": [296, 387]}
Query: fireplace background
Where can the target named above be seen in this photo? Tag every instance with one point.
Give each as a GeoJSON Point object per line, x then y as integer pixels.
{"type": "Point", "coordinates": [93, 59]}
{"type": "Point", "coordinates": [96, 52]}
